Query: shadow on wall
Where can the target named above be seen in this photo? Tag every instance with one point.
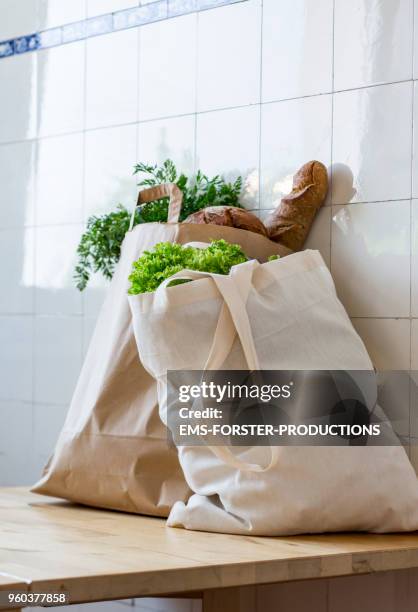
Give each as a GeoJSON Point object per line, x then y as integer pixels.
{"type": "Point", "coordinates": [342, 183]}
{"type": "Point", "coordinates": [356, 229]}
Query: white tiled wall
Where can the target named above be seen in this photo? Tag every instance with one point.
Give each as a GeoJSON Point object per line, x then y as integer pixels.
{"type": "Point", "coordinates": [256, 88]}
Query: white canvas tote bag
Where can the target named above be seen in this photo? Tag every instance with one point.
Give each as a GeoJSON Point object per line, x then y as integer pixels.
{"type": "Point", "coordinates": [280, 315]}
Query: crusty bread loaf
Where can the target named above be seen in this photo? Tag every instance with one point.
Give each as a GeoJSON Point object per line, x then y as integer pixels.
{"type": "Point", "coordinates": [230, 216]}
{"type": "Point", "coordinates": [290, 223]}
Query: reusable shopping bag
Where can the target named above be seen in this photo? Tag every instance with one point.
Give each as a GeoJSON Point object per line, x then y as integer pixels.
{"type": "Point", "coordinates": [113, 450]}
{"type": "Point", "coordinates": [282, 315]}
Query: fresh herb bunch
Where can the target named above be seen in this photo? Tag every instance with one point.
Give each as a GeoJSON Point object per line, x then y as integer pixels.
{"type": "Point", "coordinates": [153, 267]}
{"type": "Point", "coordinates": [99, 248]}
{"type": "Point", "coordinates": [198, 192]}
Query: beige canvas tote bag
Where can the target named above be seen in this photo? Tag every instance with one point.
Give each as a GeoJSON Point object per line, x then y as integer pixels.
{"type": "Point", "coordinates": [281, 315]}
{"type": "Point", "coordinates": [113, 450]}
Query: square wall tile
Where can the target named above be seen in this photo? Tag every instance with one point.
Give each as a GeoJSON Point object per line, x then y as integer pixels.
{"type": "Point", "coordinates": [16, 359]}
{"type": "Point", "coordinates": [17, 276]}
{"type": "Point", "coordinates": [168, 139]}
{"type": "Point", "coordinates": [415, 42]}
{"type": "Point", "coordinates": [370, 257]}
{"type": "Point", "coordinates": [167, 68]}
{"type": "Point", "coordinates": [229, 45]}
{"type": "Point", "coordinates": [19, 106]}
{"type": "Point", "coordinates": [99, 7]}
{"type": "Point", "coordinates": [292, 133]}
{"type": "Point", "coordinates": [94, 295]}
{"type": "Point", "coordinates": [297, 48]}
{"type": "Point", "coordinates": [387, 342]}
{"type": "Point", "coordinates": [414, 259]}
{"type": "Point", "coordinates": [89, 324]}
{"type": "Point", "coordinates": [372, 42]}
{"type": "Point", "coordinates": [415, 144]}
{"type": "Point", "coordinates": [111, 82]}
{"type": "Point", "coordinates": [414, 386]}
{"type": "Point", "coordinates": [55, 260]}
{"type": "Point", "coordinates": [53, 13]}
{"type": "Point", "coordinates": [48, 420]}
{"type": "Point", "coordinates": [58, 356]}
{"type": "Point", "coordinates": [61, 89]}
{"type": "Point", "coordinates": [110, 159]}
{"type": "Point", "coordinates": [228, 143]}
{"type": "Point", "coordinates": [17, 184]}
{"type": "Point", "coordinates": [372, 138]}
{"type": "Point", "coordinates": [414, 344]}
{"type": "Point", "coordinates": [18, 17]}
{"type": "Point", "coordinates": [15, 443]}
{"type": "Point", "coordinates": [59, 180]}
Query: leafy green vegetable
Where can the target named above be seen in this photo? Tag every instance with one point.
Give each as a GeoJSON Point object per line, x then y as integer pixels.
{"type": "Point", "coordinates": [273, 257]}
{"type": "Point", "coordinates": [153, 267]}
{"type": "Point", "coordinates": [99, 248]}
{"type": "Point", "coordinates": [198, 192]}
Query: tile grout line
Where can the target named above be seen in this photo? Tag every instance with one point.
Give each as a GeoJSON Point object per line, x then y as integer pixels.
{"type": "Point", "coordinates": [83, 179]}
{"type": "Point", "coordinates": [360, 203]}
{"type": "Point", "coordinates": [138, 99]}
{"type": "Point", "coordinates": [410, 218]}
{"type": "Point", "coordinates": [7, 228]}
{"type": "Point", "coordinates": [34, 255]}
{"type": "Point", "coordinates": [332, 131]}
{"type": "Point", "coordinates": [260, 120]}
{"type": "Point", "coordinates": [196, 95]}
{"type": "Point", "coordinates": [137, 76]}
{"type": "Point", "coordinates": [205, 111]}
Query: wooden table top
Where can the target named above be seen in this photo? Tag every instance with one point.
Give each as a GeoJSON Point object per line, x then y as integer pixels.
{"type": "Point", "coordinates": [95, 555]}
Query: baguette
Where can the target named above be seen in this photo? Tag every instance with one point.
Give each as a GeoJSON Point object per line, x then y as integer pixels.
{"type": "Point", "coordinates": [290, 223]}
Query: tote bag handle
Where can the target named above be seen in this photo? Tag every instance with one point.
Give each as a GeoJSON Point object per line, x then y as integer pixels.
{"type": "Point", "coordinates": [233, 319]}
{"type": "Point", "coordinates": [235, 289]}
{"type": "Point", "coordinates": [166, 190]}
{"type": "Point", "coordinates": [227, 326]}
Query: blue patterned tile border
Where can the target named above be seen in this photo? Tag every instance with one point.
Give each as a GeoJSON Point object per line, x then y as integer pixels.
{"type": "Point", "coordinates": [208, 4]}
{"type": "Point", "coordinates": [50, 38]}
{"type": "Point", "coordinates": [104, 24]}
{"type": "Point", "coordinates": [7, 48]}
{"type": "Point", "coordinates": [99, 25]}
{"type": "Point", "coordinates": [181, 7]}
{"type": "Point", "coordinates": [26, 43]}
{"type": "Point", "coordinates": [74, 31]}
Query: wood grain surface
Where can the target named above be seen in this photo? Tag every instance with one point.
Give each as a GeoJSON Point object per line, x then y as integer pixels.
{"type": "Point", "coordinates": [95, 555]}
